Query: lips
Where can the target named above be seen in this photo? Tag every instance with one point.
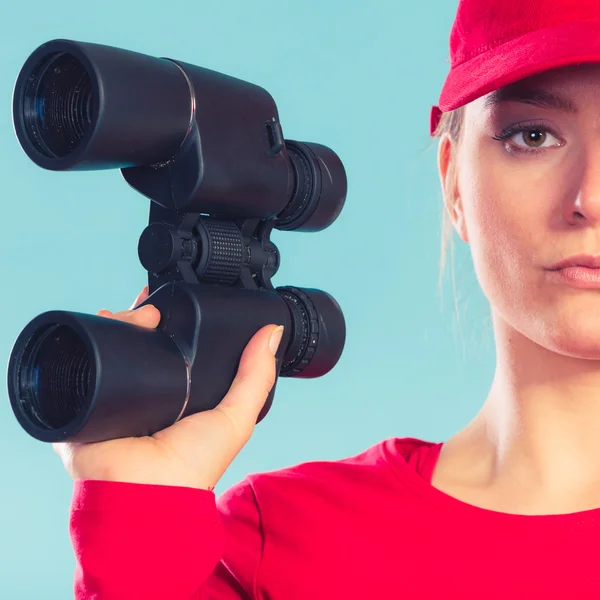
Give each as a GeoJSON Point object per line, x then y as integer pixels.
{"type": "Point", "coordinates": [579, 272]}
{"type": "Point", "coordinates": [582, 260]}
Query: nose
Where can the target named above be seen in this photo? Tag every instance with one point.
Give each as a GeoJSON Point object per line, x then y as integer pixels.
{"type": "Point", "coordinates": [583, 207]}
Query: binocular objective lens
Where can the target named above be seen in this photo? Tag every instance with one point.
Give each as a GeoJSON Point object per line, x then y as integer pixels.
{"type": "Point", "coordinates": [54, 376]}
{"type": "Point", "coordinates": [58, 105]}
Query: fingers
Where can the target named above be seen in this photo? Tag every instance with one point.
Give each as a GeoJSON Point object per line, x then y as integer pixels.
{"type": "Point", "coordinates": [146, 316]}
{"type": "Point", "coordinates": [255, 376]}
{"type": "Point", "coordinates": [143, 295]}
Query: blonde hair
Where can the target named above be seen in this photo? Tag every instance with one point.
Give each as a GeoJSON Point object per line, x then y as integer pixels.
{"type": "Point", "coordinates": [452, 123]}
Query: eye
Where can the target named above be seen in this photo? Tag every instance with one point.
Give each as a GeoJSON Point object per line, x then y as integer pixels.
{"type": "Point", "coordinates": [533, 138]}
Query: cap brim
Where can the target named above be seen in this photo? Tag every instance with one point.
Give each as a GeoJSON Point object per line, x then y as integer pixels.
{"type": "Point", "coordinates": [530, 54]}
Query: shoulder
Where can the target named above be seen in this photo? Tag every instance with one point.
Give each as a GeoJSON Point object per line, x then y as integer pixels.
{"type": "Point", "coordinates": [306, 512]}
{"type": "Point", "coordinates": [326, 481]}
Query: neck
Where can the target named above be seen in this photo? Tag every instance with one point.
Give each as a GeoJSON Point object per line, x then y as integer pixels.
{"type": "Point", "coordinates": [543, 412]}
{"type": "Point", "coordinates": [538, 433]}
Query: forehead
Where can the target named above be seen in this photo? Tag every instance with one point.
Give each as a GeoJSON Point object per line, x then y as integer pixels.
{"type": "Point", "coordinates": [562, 89]}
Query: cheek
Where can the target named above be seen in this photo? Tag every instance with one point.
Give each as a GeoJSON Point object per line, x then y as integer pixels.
{"type": "Point", "coordinates": [507, 208]}
{"type": "Point", "coordinates": [511, 213]}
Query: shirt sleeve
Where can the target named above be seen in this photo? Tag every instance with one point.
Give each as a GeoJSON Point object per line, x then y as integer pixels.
{"type": "Point", "coordinates": [158, 542]}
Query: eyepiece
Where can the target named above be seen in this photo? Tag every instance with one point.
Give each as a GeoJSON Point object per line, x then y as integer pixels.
{"type": "Point", "coordinates": [318, 332]}
{"type": "Point", "coordinates": [54, 376]}
{"type": "Point", "coordinates": [58, 104]}
{"type": "Point", "coordinates": [320, 187]}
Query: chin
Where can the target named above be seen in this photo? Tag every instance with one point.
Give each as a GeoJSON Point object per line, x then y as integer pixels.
{"type": "Point", "coordinates": [578, 337]}
{"type": "Point", "coordinates": [566, 322]}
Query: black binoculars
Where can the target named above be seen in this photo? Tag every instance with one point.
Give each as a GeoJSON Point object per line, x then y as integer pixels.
{"type": "Point", "coordinates": [208, 151]}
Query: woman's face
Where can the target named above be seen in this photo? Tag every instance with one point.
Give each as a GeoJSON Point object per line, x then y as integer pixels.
{"type": "Point", "coordinates": [528, 197]}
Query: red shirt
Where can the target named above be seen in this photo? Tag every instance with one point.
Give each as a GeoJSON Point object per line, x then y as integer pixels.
{"type": "Point", "coordinates": [368, 527]}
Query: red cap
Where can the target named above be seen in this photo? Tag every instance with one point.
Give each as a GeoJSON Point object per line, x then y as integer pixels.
{"type": "Point", "coordinates": [497, 42]}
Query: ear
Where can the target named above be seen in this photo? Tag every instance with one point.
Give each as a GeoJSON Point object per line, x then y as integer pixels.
{"type": "Point", "coordinates": [447, 166]}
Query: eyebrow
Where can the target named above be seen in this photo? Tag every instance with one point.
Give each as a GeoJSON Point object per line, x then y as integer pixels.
{"type": "Point", "coordinates": [536, 97]}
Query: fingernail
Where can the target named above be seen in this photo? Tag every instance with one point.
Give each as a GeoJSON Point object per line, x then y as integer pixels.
{"type": "Point", "coordinates": [275, 340]}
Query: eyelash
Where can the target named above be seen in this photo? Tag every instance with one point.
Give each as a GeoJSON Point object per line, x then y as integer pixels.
{"type": "Point", "coordinates": [511, 130]}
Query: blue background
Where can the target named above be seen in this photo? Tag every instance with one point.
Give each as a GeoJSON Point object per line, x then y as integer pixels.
{"type": "Point", "coordinates": [358, 76]}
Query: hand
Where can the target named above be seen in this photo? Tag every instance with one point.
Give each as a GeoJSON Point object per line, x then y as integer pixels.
{"type": "Point", "coordinates": [195, 451]}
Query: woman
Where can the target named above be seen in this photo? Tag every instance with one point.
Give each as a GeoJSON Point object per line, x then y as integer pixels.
{"type": "Point", "coordinates": [508, 507]}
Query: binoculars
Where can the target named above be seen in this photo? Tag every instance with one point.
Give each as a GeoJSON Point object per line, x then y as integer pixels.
{"type": "Point", "coordinates": [208, 151]}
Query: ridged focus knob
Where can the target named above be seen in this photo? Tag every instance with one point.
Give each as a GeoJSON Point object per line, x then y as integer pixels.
{"type": "Point", "coordinates": [220, 251]}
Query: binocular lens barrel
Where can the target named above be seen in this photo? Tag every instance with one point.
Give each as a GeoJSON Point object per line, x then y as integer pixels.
{"type": "Point", "coordinates": [73, 376]}
{"type": "Point", "coordinates": [84, 378]}
{"type": "Point", "coordinates": [82, 106]}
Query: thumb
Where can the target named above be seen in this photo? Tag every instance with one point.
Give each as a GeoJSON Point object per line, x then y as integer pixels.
{"type": "Point", "coordinates": [255, 377]}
